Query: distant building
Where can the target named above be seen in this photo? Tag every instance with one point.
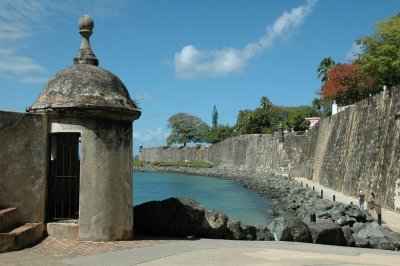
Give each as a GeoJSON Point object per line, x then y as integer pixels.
{"type": "Point", "coordinates": [313, 121]}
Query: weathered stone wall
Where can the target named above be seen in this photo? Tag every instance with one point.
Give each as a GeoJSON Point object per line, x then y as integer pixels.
{"type": "Point", "coordinates": [173, 154]}
{"type": "Point", "coordinates": [105, 192]}
{"type": "Point", "coordinates": [23, 164]}
{"type": "Point", "coordinates": [359, 148]}
{"type": "Point", "coordinates": [356, 149]}
{"type": "Point", "coordinates": [258, 153]}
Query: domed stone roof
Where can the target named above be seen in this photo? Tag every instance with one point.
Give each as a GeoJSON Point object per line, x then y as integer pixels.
{"type": "Point", "coordinates": [86, 89]}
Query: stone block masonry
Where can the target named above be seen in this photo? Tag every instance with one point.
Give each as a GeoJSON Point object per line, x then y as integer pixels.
{"type": "Point", "coordinates": [359, 148]}
{"type": "Point", "coordinates": [173, 154]}
{"type": "Point", "coordinates": [23, 163]}
{"type": "Point", "coordinates": [254, 153]}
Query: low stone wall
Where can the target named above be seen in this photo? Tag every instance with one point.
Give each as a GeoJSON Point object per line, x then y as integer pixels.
{"type": "Point", "coordinates": [23, 164]}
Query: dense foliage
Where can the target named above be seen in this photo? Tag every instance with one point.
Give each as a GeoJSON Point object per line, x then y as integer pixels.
{"type": "Point", "coordinates": [219, 133]}
{"type": "Point", "coordinates": [380, 54]}
{"type": "Point", "coordinates": [347, 84]}
{"type": "Point", "coordinates": [186, 128]}
{"type": "Point", "coordinates": [324, 67]}
{"type": "Point", "coordinates": [214, 117]}
{"type": "Point", "coordinates": [267, 120]}
{"type": "Point", "coordinates": [377, 64]}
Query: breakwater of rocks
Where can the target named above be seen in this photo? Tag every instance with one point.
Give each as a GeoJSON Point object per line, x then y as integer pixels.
{"type": "Point", "coordinates": [335, 223]}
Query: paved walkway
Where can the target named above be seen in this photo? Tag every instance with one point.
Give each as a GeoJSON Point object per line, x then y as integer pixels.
{"type": "Point", "coordinates": [390, 219]}
{"type": "Point", "coordinates": [57, 251]}
{"type": "Point", "coordinates": [54, 251]}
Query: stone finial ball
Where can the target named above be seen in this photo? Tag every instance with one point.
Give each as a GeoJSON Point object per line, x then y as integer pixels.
{"type": "Point", "coordinates": [85, 22]}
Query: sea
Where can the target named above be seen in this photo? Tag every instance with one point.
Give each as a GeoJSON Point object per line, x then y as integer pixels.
{"type": "Point", "coordinates": [226, 196]}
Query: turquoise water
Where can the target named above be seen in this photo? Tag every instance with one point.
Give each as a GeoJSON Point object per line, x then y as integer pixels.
{"type": "Point", "coordinates": [226, 196]}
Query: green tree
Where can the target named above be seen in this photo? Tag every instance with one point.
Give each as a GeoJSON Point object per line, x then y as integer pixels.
{"type": "Point", "coordinates": [296, 117]}
{"type": "Point", "coordinates": [186, 128]}
{"type": "Point", "coordinates": [277, 114]}
{"type": "Point", "coordinates": [380, 54]}
{"type": "Point", "coordinates": [322, 107]}
{"type": "Point", "coordinates": [214, 117]}
{"type": "Point", "coordinates": [219, 133]}
{"type": "Point", "coordinates": [253, 122]}
{"type": "Point", "coordinates": [265, 103]}
{"type": "Point", "coordinates": [243, 121]}
{"type": "Point", "coordinates": [324, 67]}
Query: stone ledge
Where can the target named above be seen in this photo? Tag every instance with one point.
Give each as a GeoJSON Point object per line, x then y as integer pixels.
{"type": "Point", "coordinates": [67, 230]}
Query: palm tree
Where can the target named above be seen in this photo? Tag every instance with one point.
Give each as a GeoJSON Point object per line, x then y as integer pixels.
{"type": "Point", "coordinates": [265, 103]}
{"type": "Point", "coordinates": [324, 67]}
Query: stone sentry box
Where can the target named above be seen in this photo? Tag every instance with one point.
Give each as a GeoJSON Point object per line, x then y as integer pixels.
{"type": "Point", "coordinates": [90, 170]}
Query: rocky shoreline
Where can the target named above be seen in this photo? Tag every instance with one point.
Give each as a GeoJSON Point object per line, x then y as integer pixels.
{"type": "Point", "coordinates": [336, 223]}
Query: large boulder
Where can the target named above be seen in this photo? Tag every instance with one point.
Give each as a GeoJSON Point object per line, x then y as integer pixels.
{"type": "Point", "coordinates": [348, 235]}
{"type": "Point", "coordinates": [290, 228]}
{"type": "Point", "coordinates": [176, 217]}
{"type": "Point", "coordinates": [249, 232]}
{"type": "Point", "coordinates": [361, 242]}
{"type": "Point", "coordinates": [326, 232]}
{"type": "Point", "coordinates": [263, 233]}
{"type": "Point", "coordinates": [171, 217]}
{"type": "Point", "coordinates": [214, 224]}
{"type": "Point", "coordinates": [377, 236]}
{"type": "Point", "coordinates": [371, 230]}
{"type": "Point", "coordinates": [234, 230]}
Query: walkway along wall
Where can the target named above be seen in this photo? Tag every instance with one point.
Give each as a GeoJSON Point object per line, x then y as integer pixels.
{"type": "Point", "coordinates": [358, 149]}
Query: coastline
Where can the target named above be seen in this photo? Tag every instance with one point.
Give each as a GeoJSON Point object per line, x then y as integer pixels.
{"type": "Point", "coordinates": [267, 185]}
{"type": "Point", "coordinates": [333, 223]}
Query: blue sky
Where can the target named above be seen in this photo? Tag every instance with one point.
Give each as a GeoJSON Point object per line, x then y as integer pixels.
{"type": "Point", "coordinates": [185, 56]}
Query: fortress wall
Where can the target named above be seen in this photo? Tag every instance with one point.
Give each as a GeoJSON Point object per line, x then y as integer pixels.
{"type": "Point", "coordinates": [256, 152]}
{"type": "Point", "coordinates": [356, 149]}
{"type": "Point", "coordinates": [359, 149]}
{"type": "Point", "coordinates": [173, 154]}
{"type": "Point", "coordinates": [245, 152]}
{"type": "Point", "coordinates": [23, 164]}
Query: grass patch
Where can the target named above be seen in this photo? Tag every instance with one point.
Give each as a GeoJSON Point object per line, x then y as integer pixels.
{"type": "Point", "coordinates": [139, 163]}
{"type": "Point", "coordinates": [197, 164]}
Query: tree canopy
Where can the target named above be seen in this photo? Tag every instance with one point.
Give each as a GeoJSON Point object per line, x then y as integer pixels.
{"type": "Point", "coordinates": [380, 54]}
{"type": "Point", "coordinates": [214, 117]}
{"type": "Point", "coordinates": [219, 133]}
{"type": "Point", "coordinates": [263, 121]}
{"type": "Point", "coordinates": [347, 84]}
{"type": "Point", "coordinates": [324, 67]}
{"type": "Point", "coordinates": [186, 128]}
{"type": "Point", "coordinates": [265, 103]}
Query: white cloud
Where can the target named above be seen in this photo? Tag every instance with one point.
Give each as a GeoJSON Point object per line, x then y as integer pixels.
{"type": "Point", "coordinates": [30, 79]}
{"type": "Point", "coordinates": [16, 20]}
{"type": "Point", "coordinates": [151, 135]}
{"type": "Point", "coordinates": [19, 18]}
{"type": "Point", "coordinates": [351, 54]}
{"type": "Point", "coordinates": [143, 97]}
{"type": "Point", "coordinates": [191, 63]}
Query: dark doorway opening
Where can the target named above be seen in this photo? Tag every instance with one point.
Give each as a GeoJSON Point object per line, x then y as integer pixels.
{"type": "Point", "coordinates": [63, 183]}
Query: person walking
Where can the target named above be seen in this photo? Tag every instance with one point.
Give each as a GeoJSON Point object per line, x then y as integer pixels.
{"type": "Point", "coordinates": [372, 197]}
{"type": "Point", "coordinates": [361, 199]}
